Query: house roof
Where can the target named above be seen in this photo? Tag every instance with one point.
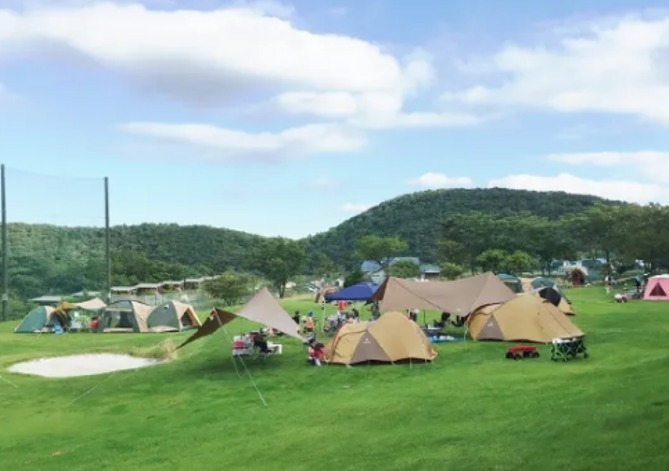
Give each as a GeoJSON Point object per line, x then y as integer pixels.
{"type": "Point", "coordinates": [123, 288]}
{"type": "Point", "coordinates": [148, 285]}
{"type": "Point", "coordinates": [47, 298]}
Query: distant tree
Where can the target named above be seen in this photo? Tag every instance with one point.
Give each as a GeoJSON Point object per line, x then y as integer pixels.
{"type": "Point", "coordinates": [492, 260]}
{"type": "Point", "coordinates": [353, 278]}
{"type": "Point", "coordinates": [380, 249]}
{"type": "Point", "coordinates": [230, 287]}
{"type": "Point", "coordinates": [326, 267]}
{"type": "Point", "coordinates": [518, 262]}
{"type": "Point", "coordinates": [452, 251]}
{"type": "Point", "coordinates": [278, 259]}
{"type": "Point", "coordinates": [451, 271]}
{"type": "Point", "coordinates": [404, 269]}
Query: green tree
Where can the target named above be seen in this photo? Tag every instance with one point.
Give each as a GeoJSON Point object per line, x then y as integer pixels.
{"type": "Point", "coordinates": [230, 287]}
{"type": "Point", "coordinates": [404, 269]}
{"type": "Point", "coordinates": [380, 249]}
{"type": "Point", "coordinates": [451, 271]}
{"type": "Point", "coordinates": [353, 278]}
{"type": "Point", "coordinates": [518, 262]}
{"type": "Point", "coordinates": [492, 260]}
{"type": "Point", "coordinates": [326, 267]}
{"type": "Point", "coordinates": [278, 259]}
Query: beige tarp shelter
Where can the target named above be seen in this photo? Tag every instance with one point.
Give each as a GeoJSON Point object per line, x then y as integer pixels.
{"type": "Point", "coordinates": [526, 318]}
{"type": "Point", "coordinates": [391, 338]}
{"type": "Point", "coordinates": [94, 304]}
{"type": "Point", "coordinates": [262, 308]}
{"type": "Point", "coordinates": [172, 316]}
{"type": "Point", "coordinates": [460, 297]}
{"type": "Point", "coordinates": [125, 316]}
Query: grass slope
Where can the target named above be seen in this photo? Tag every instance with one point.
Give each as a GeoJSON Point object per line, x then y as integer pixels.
{"type": "Point", "coordinates": [471, 409]}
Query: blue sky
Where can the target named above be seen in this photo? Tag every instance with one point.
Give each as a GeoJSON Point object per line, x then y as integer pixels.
{"type": "Point", "coordinates": [288, 118]}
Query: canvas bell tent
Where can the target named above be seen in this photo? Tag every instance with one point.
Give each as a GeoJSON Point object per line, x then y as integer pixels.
{"type": "Point", "coordinates": [125, 316]}
{"type": "Point", "coordinates": [392, 338]}
{"type": "Point", "coordinates": [657, 288]}
{"type": "Point", "coordinates": [43, 319]}
{"type": "Point", "coordinates": [172, 316]}
{"type": "Point", "coordinates": [262, 308]}
{"type": "Point", "coordinates": [527, 318]}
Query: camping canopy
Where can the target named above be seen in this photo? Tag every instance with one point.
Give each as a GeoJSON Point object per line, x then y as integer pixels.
{"type": "Point", "coordinates": [526, 318]}
{"type": "Point", "coordinates": [391, 338]}
{"type": "Point", "coordinates": [172, 316]}
{"type": "Point", "coordinates": [657, 288]}
{"type": "Point", "coordinates": [460, 297]}
{"type": "Point", "coordinates": [358, 292]}
{"type": "Point", "coordinates": [40, 318]}
{"type": "Point", "coordinates": [512, 281]}
{"type": "Point", "coordinates": [262, 308]}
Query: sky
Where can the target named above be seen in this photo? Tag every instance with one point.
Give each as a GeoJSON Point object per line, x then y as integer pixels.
{"type": "Point", "coordinates": [287, 118]}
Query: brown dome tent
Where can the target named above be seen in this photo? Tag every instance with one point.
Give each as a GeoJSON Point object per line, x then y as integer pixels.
{"type": "Point", "coordinates": [527, 318]}
{"type": "Point", "coordinates": [390, 339]}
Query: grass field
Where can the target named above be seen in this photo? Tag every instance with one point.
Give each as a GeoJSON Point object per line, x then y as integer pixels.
{"type": "Point", "coordinates": [470, 410]}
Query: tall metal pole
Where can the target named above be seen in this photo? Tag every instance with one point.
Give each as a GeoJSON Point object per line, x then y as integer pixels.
{"type": "Point", "coordinates": [107, 251]}
{"type": "Point", "coordinates": [5, 258]}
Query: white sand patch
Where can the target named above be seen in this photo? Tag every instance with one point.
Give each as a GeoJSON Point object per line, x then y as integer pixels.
{"type": "Point", "coordinates": [81, 365]}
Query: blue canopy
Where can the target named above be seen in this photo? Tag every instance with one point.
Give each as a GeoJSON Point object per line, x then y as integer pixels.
{"type": "Point", "coordinates": [358, 292]}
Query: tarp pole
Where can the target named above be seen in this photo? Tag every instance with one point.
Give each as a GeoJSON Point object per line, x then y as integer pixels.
{"type": "Point", "coordinates": [243, 364]}
{"type": "Point", "coordinates": [5, 259]}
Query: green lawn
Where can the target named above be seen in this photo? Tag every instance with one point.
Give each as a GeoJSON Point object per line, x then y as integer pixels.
{"type": "Point", "coordinates": [471, 409]}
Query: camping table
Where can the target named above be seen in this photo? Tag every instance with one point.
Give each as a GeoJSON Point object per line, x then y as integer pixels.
{"type": "Point", "coordinates": [568, 349]}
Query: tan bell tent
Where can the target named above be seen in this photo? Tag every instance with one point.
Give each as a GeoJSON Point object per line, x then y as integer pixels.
{"type": "Point", "coordinates": [526, 318]}
{"type": "Point", "coordinates": [262, 308]}
{"type": "Point", "coordinates": [124, 316]}
{"type": "Point", "coordinates": [172, 316]}
{"type": "Point", "coordinates": [391, 338]}
{"type": "Point", "coordinates": [460, 297]}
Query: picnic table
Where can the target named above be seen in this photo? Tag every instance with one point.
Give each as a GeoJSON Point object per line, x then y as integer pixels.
{"type": "Point", "coordinates": [518, 352]}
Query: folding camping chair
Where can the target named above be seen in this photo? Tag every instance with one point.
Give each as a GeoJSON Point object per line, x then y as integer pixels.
{"type": "Point", "coordinates": [567, 349]}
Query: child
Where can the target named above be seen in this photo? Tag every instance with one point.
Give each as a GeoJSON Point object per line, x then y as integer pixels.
{"type": "Point", "coordinates": [309, 323]}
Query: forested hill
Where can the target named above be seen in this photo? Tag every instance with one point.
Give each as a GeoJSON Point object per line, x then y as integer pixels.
{"type": "Point", "coordinates": [417, 217]}
{"type": "Point", "coordinates": [48, 259]}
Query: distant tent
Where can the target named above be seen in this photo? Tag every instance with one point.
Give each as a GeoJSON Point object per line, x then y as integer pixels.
{"type": "Point", "coordinates": [557, 299]}
{"type": "Point", "coordinates": [125, 316]}
{"type": "Point", "coordinates": [262, 308]}
{"type": "Point", "coordinates": [512, 281]}
{"type": "Point", "coordinates": [460, 297]}
{"type": "Point", "coordinates": [657, 288]}
{"type": "Point", "coordinates": [577, 276]}
{"type": "Point", "coordinates": [43, 319]}
{"type": "Point", "coordinates": [358, 292]}
{"type": "Point", "coordinates": [542, 282]}
{"type": "Point", "coordinates": [390, 339]}
{"type": "Point", "coordinates": [526, 318]}
{"type": "Point", "coordinates": [172, 316]}
{"type": "Point", "coordinates": [94, 304]}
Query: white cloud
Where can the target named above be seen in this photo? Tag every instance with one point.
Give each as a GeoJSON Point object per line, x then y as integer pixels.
{"type": "Point", "coordinates": [651, 164]}
{"type": "Point", "coordinates": [224, 51]}
{"type": "Point", "coordinates": [268, 7]}
{"type": "Point", "coordinates": [230, 144]}
{"type": "Point", "coordinates": [354, 208]}
{"type": "Point", "coordinates": [617, 190]}
{"type": "Point", "coordinates": [614, 66]}
{"type": "Point", "coordinates": [439, 180]}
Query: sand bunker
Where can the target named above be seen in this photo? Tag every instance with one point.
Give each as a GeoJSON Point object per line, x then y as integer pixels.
{"type": "Point", "coordinates": [81, 365]}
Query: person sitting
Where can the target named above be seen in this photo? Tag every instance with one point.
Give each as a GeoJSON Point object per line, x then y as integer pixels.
{"type": "Point", "coordinates": [309, 323]}
{"type": "Point", "coordinates": [260, 342]}
{"type": "Point", "coordinates": [315, 352]}
{"type": "Point", "coordinates": [445, 316]}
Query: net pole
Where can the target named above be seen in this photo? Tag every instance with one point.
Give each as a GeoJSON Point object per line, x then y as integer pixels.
{"type": "Point", "coordinates": [107, 250]}
{"type": "Point", "coordinates": [5, 258]}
